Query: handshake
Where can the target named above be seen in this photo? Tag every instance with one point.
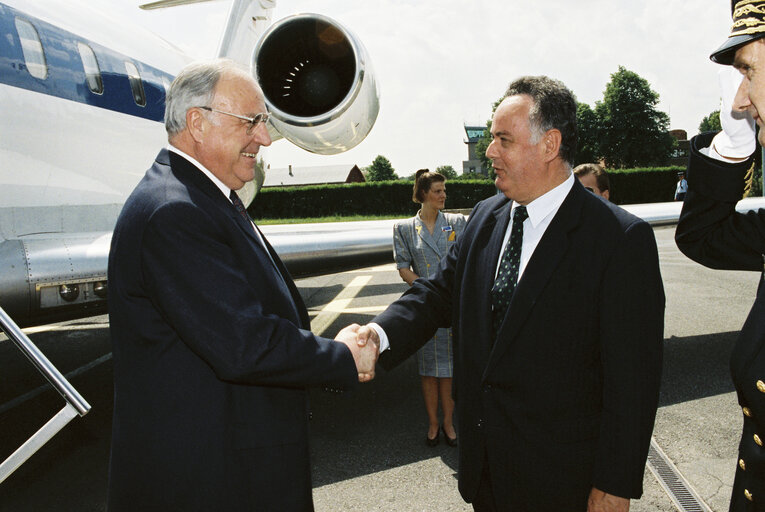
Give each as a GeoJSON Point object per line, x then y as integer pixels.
{"type": "Point", "coordinates": [365, 347]}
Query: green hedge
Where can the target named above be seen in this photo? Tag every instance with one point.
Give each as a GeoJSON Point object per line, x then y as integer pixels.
{"type": "Point", "coordinates": [628, 186]}
{"type": "Point", "coordinates": [643, 185]}
{"type": "Point", "coordinates": [371, 198]}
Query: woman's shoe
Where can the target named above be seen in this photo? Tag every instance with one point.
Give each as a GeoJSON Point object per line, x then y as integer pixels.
{"type": "Point", "coordinates": [432, 442]}
{"type": "Point", "coordinates": [450, 441]}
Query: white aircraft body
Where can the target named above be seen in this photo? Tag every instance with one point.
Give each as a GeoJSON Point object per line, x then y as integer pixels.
{"type": "Point", "coordinates": [82, 96]}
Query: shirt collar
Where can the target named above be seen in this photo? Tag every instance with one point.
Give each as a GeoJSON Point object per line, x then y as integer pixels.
{"type": "Point", "coordinates": [218, 183]}
{"type": "Point", "coordinates": [549, 202]}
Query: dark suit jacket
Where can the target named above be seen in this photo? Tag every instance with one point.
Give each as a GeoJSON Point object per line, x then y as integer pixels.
{"type": "Point", "coordinates": [566, 396]}
{"type": "Point", "coordinates": [212, 356]}
{"type": "Point", "coordinates": [713, 234]}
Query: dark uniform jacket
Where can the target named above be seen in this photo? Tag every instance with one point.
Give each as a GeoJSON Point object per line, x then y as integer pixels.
{"type": "Point", "coordinates": [212, 356]}
{"type": "Point", "coordinates": [712, 233]}
{"type": "Point", "coordinates": [565, 397]}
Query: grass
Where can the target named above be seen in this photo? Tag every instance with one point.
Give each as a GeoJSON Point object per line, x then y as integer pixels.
{"type": "Point", "coordinates": [336, 218]}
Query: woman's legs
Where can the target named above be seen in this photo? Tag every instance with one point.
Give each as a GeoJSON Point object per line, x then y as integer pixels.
{"type": "Point", "coordinates": [447, 404]}
{"type": "Point", "coordinates": [430, 394]}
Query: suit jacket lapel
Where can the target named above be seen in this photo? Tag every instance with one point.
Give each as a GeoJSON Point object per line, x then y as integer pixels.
{"type": "Point", "coordinates": [489, 244]}
{"type": "Point", "coordinates": [547, 256]}
{"type": "Point", "coordinates": [301, 310]}
{"type": "Point", "coordinates": [188, 173]}
{"type": "Point", "coordinates": [425, 236]}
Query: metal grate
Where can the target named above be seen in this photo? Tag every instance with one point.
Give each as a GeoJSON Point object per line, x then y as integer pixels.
{"type": "Point", "coordinates": [675, 485]}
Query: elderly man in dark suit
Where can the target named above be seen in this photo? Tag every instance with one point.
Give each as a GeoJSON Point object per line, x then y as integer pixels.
{"type": "Point", "coordinates": [212, 352]}
{"type": "Point", "coordinates": [557, 337]}
{"type": "Point", "coordinates": [711, 232]}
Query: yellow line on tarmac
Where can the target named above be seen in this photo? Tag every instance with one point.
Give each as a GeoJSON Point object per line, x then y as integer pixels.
{"type": "Point", "coordinates": [331, 311]}
{"type": "Point", "coordinates": [359, 310]}
{"type": "Point", "coordinates": [74, 327]}
{"type": "Point", "coordinates": [386, 267]}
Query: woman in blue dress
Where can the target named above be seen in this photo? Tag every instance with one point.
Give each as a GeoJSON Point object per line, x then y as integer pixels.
{"type": "Point", "coordinates": [419, 244]}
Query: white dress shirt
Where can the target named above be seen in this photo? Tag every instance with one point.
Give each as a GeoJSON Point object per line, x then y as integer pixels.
{"type": "Point", "coordinates": [541, 212]}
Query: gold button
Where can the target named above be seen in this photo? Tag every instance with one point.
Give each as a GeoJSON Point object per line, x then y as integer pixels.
{"type": "Point", "coordinates": [761, 386]}
{"type": "Point", "coordinates": [748, 495]}
{"type": "Point", "coordinates": [747, 412]}
{"type": "Point", "coordinates": [742, 464]}
{"type": "Point", "coordinates": [757, 440]}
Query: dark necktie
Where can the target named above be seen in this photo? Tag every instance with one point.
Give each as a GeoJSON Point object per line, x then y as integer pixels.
{"type": "Point", "coordinates": [239, 205]}
{"type": "Point", "coordinates": [507, 275]}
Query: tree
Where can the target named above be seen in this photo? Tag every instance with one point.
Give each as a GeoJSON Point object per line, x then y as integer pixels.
{"type": "Point", "coordinates": [711, 123]}
{"type": "Point", "coordinates": [472, 176]}
{"type": "Point", "coordinates": [587, 130]}
{"type": "Point", "coordinates": [632, 132]}
{"type": "Point", "coordinates": [448, 171]}
{"type": "Point", "coordinates": [380, 170]}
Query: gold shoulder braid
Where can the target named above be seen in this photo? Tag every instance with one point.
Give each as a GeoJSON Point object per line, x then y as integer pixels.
{"type": "Point", "coordinates": [748, 180]}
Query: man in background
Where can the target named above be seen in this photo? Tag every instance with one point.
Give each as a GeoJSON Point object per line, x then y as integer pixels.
{"type": "Point", "coordinates": [594, 178]}
{"type": "Point", "coordinates": [681, 188]}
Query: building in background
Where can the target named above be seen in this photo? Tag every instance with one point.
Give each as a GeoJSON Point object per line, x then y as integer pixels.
{"type": "Point", "coordinates": [316, 175]}
{"type": "Point", "coordinates": [682, 150]}
{"type": "Point", "coordinates": [473, 163]}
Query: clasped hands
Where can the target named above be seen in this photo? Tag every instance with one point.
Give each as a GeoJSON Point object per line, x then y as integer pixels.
{"type": "Point", "coordinates": [364, 344]}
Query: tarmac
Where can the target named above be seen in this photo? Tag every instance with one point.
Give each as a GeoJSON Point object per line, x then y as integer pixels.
{"type": "Point", "coordinates": [368, 449]}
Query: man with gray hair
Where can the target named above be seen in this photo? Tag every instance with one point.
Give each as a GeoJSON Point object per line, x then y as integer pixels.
{"type": "Point", "coordinates": [211, 341]}
{"type": "Point", "coordinates": [557, 311]}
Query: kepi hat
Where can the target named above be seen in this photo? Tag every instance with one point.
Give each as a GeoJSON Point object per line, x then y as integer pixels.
{"type": "Point", "coordinates": [748, 26]}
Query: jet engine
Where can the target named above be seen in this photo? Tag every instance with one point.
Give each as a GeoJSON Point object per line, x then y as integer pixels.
{"type": "Point", "coordinates": [318, 83]}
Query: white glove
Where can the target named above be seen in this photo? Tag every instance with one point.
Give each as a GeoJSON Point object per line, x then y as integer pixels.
{"type": "Point", "coordinates": [736, 140]}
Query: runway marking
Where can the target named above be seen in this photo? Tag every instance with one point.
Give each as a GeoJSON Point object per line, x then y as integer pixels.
{"type": "Point", "coordinates": [339, 304]}
{"type": "Point", "coordinates": [359, 310]}
{"type": "Point", "coordinates": [60, 328]}
{"type": "Point", "coordinates": [386, 267]}
{"type": "Point", "coordinates": [7, 406]}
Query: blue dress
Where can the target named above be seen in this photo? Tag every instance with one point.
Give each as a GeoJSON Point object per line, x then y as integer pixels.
{"type": "Point", "coordinates": [415, 247]}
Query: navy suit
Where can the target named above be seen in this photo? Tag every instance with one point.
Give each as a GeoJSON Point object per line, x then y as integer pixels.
{"type": "Point", "coordinates": [212, 356]}
{"type": "Point", "coordinates": [711, 232]}
{"type": "Point", "coordinates": [564, 398]}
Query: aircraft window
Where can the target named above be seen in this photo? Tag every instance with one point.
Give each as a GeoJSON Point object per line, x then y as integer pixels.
{"type": "Point", "coordinates": [92, 71]}
{"type": "Point", "coordinates": [136, 85]}
{"type": "Point", "coordinates": [34, 57]}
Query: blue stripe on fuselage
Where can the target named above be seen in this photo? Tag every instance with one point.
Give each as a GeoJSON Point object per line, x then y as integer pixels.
{"type": "Point", "coordinates": [66, 75]}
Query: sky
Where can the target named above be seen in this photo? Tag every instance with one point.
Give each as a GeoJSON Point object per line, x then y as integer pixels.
{"type": "Point", "coordinates": [441, 64]}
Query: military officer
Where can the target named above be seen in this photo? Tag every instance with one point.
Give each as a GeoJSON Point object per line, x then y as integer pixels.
{"type": "Point", "coordinates": [711, 232]}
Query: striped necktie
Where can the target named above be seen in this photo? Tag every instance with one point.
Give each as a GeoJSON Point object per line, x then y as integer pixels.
{"type": "Point", "coordinates": [239, 205]}
{"type": "Point", "coordinates": [507, 275]}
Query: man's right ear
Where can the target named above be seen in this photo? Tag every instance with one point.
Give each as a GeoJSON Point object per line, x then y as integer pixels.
{"type": "Point", "coordinates": [196, 124]}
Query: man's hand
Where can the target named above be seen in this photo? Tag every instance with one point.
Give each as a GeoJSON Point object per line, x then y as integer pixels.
{"type": "Point", "coordinates": [364, 353]}
{"type": "Point", "coordinates": [369, 343]}
{"type": "Point", "coordinates": [736, 141]}
{"type": "Point", "coordinates": [602, 502]}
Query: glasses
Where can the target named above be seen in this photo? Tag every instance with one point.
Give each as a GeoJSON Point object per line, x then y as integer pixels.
{"type": "Point", "coordinates": [252, 122]}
